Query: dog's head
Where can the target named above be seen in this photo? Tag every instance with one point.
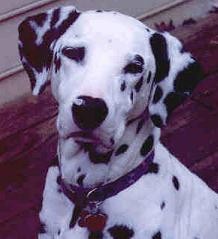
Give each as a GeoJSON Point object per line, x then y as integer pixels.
{"type": "Point", "coordinates": [105, 69]}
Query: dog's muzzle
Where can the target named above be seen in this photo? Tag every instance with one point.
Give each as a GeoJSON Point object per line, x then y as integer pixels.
{"type": "Point", "coordinates": [88, 112]}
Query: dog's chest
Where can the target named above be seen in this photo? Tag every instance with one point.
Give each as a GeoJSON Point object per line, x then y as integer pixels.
{"type": "Point", "coordinates": [136, 212]}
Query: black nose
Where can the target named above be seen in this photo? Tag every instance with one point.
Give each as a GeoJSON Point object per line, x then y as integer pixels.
{"type": "Point", "coordinates": [89, 112]}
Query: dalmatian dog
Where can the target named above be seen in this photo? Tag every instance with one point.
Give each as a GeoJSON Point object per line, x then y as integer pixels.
{"type": "Point", "coordinates": [116, 82]}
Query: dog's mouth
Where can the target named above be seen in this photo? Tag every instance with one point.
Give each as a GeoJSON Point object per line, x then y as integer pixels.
{"type": "Point", "coordinates": [82, 137]}
{"type": "Point", "coordinates": [98, 150]}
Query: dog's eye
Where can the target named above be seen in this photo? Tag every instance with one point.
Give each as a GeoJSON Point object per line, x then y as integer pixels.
{"type": "Point", "coordinates": [77, 54]}
{"type": "Point", "coordinates": [136, 66]}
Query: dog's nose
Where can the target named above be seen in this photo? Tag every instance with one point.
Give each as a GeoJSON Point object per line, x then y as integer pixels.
{"type": "Point", "coordinates": [88, 112]}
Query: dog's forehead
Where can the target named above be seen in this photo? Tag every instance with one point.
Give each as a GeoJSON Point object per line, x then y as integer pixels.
{"type": "Point", "coordinates": [100, 28]}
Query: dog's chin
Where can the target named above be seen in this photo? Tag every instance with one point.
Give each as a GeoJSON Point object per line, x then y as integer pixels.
{"type": "Point", "coordinates": [97, 154]}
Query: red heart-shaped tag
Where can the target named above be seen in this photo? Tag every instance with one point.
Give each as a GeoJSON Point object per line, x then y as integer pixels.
{"type": "Point", "coordinates": [95, 222]}
{"type": "Point", "coordinates": [83, 215]}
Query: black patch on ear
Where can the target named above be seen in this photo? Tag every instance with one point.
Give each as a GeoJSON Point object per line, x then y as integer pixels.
{"type": "Point", "coordinates": [157, 235]}
{"type": "Point", "coordinates": [149, 77]}
{"type": "Point", "coordinates": [175, 182]}
{"type": "Point", "coordinates": [122, 149]}
{"type": "Point", "coordinates": [123, 86]}
{"type": "Point", "coordinates": [41, 19]}
{"type": "Point", "coordinates": [184, 84]}
{"type": "Point", "coordinates": [139, 84]}
{"type": "Point", "coordinates": [153, 168]}
{"type": "Point", "coordinates": [157, 95]}
{"type": "Point", "coordinates": [147, 145]}
{"type": "Point", "coordinates": [172, 100]}
{"type": "Point", "coordinates": [57, 63]}
{"type": "Point", "coordinates": [121, 232]}
{"type": "Point", "coordinates": [31, 75]}
{"type": "Point", "coordinates": [55, 17]}
{"type": "Point", "coordinates": [40, 56]}
{"type": "Point", "coordinates": [162, 206]}
{"type": "Point", "coordinates": [139, 126]}
{"type": "Point", "coordinates": [188, 78]}
{"type": "Point", "coordinates": [156, 119]}
{"type": "Point", "coordinates": [160, 51]}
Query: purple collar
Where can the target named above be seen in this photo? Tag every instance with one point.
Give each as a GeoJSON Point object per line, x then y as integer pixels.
{"type": "Point", "coordinates": [84, 196]}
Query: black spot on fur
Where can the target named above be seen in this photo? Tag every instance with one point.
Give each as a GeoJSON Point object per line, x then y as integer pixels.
{"type": "Point", "coordinates": [112, 141]}
{"type": "Point", "coordinates": [97, 158]}
{"type": "Point", "coordinates": [157, 235]}
{"type": "Point", "coordinates": [79, 170]}
{"type": "Point", "coordinates": [122, 149]}
{"type": "Point", "coordinates": [157, 95]}
{"type": "Point", "coordinates": [121, 232]}
{"type": "Point", "coordinates": [147, 145]}
{"type": "Point", "coordinates": [134, 67]}
{"type": "Point", "coordinates": [42, 228]}
{"type": "Point", "coordinates": [175, 182]}
{"type": "Point", "coordinates": [139, 84]}
{"type": "Point", "coordinates": [160, 51]}
{"type": "Point", "coordinates": [139, 126]}
{"type": "Point", "coordinates": [153, 168]}
{"type": "Point", "coordinates": [99, 11]}
{"type": "Point", "coordinates": [156, 119]}
{"type": "Point", "coordinates": [80, 179]}
{"type": "Point", "coordinates": [123, 86]}
{"type": "Point", "coordinates": [162, 206]}
{"type": "Point", "coordinates": [149, 77]}
{"type": "Point", "coordinates": [148, 30]}
{"type": "Point", "coordinates": [77, 54]}
{"type": "Point", "coordinates": [131, 96]}
{"type": "Point", "coordinates": [95, 235]}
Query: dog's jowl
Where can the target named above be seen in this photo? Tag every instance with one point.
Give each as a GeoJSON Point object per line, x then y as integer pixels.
{"type": "Point", "coordinates": [116, 83]}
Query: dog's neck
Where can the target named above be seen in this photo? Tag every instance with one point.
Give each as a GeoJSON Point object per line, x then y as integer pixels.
{"type": "Point", "coordinates": [137, 142]}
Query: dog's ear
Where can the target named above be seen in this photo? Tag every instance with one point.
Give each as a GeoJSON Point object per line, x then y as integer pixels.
{"type": "Point", "coordinates": [177, 74]}
{"type": "Point", "coordinates": [37, 35]}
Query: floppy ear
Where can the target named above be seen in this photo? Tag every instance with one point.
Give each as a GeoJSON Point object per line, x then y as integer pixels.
{"type": "Point", "coordinates": [177, 74]}
{"type": "Point", "coordinates": [37, 35]}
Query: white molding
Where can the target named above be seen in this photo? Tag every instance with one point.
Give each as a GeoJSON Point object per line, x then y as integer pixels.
{"type": "Point", "coordinates": [11, 71]}
{"type": "Point", "coordinates": [24, 9]}
{"type": "Point", "coordinates": [162, 8]}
